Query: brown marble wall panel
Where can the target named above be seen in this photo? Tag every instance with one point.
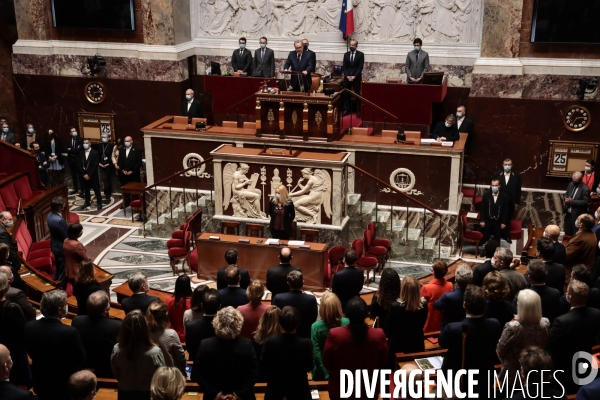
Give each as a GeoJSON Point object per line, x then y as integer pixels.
{"type": "Point", "coordinates": [432, 178]}
{"type": "Point", "coordinates": [53, 102]}
{"type": "Point", "coordinates": [8, 35]}
{"type": "Point", "coordinates": [501, 28]}
{"type": "Point", "coordinates": [157, 19]}
{"type": "Point", "coordinates": [495, 85]}
{"type": "Point", "coordinates": [555, 87]}
{"type": "Point", "coordinates": [32, 19]}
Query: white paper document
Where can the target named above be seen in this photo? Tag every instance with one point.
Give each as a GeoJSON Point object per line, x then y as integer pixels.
{"type": "Point", "coordinates": [295, 242]}
{"type": "Point", "coordinates": [270, 241]}
{"type": "Point", "coordinates": [472, 215]}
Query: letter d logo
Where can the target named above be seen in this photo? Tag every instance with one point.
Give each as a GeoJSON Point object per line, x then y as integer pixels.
{"type": "Point", "coordinates": [584, 368]}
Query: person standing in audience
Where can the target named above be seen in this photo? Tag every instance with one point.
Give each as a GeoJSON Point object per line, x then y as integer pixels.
{"type": "Point", "coordinates": [12, 323]}
{"type": "Point", "coordinates": [105, 150]}
{"type": "Point", "coordinates": [503, 262]}
{"type": "Point", "coordinates": [231, 257]}
{"type": "Point", "coordinates": [254, 309]}
{"type": "Point", "coordinates": [98, 333]}
{"type": "Point", "coordinates": [135, 358]}
{"type": "Point", "coordinates": [306, 304]}
{"type": "Point", "coordinates": [88, 161]}
{"type": "Point", "coordinates": [555, 272]}
{"type": "Point", "coordinates": [128, 165]}
{"type": "Point", "coordinates": [311, 54]}
{"type": "Point", "coordinates": [577, 330]}
{"type": "Point", "coordinates": [282, 214]}
{"type": "Point", "coordinates": [42, 162]}
{"type": "Point", "coordinates": [226, 364]}
{"type": "Point", "coordinates": [528, 328]}
{"type": "Point", "coordinates": [581, 248]}
{"type": "Point", "coordinates": [198, 330]}
{"type": "Point", "coordinates": [352, 66]}
{"type": "Point", "coordinates": [55, 349]}
{"type": "Point", "coordinates": [331, 314]}
{"type": "Point", "coordinates": [264, 60]}
{"type": "Point", "coordinates": [387, 293]}
{"type": "Point", "coordinates": [8, 390]}
{"type": "Point", "coordinates": [285, 379]}
{"type": "Point", "coordinates": [167, 384]}
{"type": "Point", "coordinates": [577, 198]}
{"type": "Point", "coordinates": [446, 131]}
{"type": "Point", "coordinates": [495, 217]}
{"type": "Point", "coordinates": [139, 300]}
{"type": "Point", "coordinates": [29, 138]}
{"type": "Point", "coordinates": [268, 326]}
{"type": "Point", "coordinates": [591, 391]}
{"type": "Point", "coordinates": [589, 178]}
{"type": "Point", "coordinates": [157, 317]}
{"type": "Point", "coordinates": [406, 321]}
{"type": "Point", "coordinates": [58, 234]}
{"type": "Point", "coordinates": [550, 297]}
{"type": "Point", "coordinates": [481, 270]}
{"type": "Point", "coordinates": [179, 303]}
{"type": "Point", "coordinates": [6, 135]}
{"type": "Point", "coordinates": [233, 295]}
{"type": "Point", "coordinates": [241, 59]}
{"type": "Point", "coordinates": [12, 258]}
{"type": "Point", "coordinates": [54, 149]}
{"type": "Point", "coordinates": [192, 107]}
{"type": "Point", "coordinates": [74, 144]}
{"type": "Point", "coordinates": [277, 275]}
{"type": "Point", "coordinates": [451, 303]}
{"type": "Point", "coordinates": [348, 282]}
{"type": "Point", "coordinates": [84, 285]}
{"type": "Point", "coordinates": [74, 252]}
{"type": "Point", "coordinates": [16, 295]}
{"type": "Point", "coordinates": [497, 292]}
{"type": "Point", "coordinates": [433, 291]}
{"type": "Point", "coordinates": [510, 184]}
{"type": "Point", "coordinates": [582, 274]}
{"type": "Point", "coordinates": [82, 385]}
{"type": "Point", "coordinates": [196, 311]}
{"type": "Point", "coordinates": [417, 63]}
{"type": "Point", "coordinates": [354, 346]}
{"type": "Point", "coordinates": [463, 123]}
{"type": "Point", "coordinates": [552, 232]}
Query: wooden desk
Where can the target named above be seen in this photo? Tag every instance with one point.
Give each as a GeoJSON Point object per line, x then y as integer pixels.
{"type": "Point", "coordinates": [529, 251]}
{"type": "Point", "coordinates": [257, 258]}
{"type": "Point", "coordinates": [35, 286]}
{"type": "Point", "coordinates": [132, 188]}
{"type": "Point", "coordinates": [235, 131]}
{"type": "Point", "coordinates": [123, 292]}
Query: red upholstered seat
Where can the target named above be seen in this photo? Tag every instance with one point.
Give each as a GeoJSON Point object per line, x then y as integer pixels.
{"type": "Point", "coordinates": [44, 265]}
{"type": "Point", "coordinates": [468, 192]}
{"type": "Point", "coordinates": [39, 254]}
{"type": "Point", "coordinates": [178, 252]}
{"type": "Point", "coordinates": [364, 262]}
{"type": "Point", "coordinates": [477, 203]}
{"type": "Point", "coordinates": [469, 236]}
{"type": "Point", "coordinates": [73, 218]}
{"type": "Point", "coordinates": [335, 261]}
{"type": "Point", "coordinates": [515, 229]}
{"type": "Point", "coordinates": [473, 235]}
{"type": "Point", "coordinates": [135, 204]}
{"type": "Point", "coordinates": [22, 188]}
{"type": "Point", "coordinates": [42, 244]}
{"type": "Point", "coordinates": [178, 234]}
{"type": "Point", "coordinates": [387, 243]}
{"type": "Point", "coordinates": [10, 199]}
{"type": "Point", "coordinates": [175, 242]}
{"type": "Point", "coordinates": [194, 260]}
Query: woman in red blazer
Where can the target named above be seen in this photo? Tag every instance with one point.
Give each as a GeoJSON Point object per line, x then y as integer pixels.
{"type": "Point", "coordinates": [354, 346]}
{"type": "Point", "coordinates": [74, 254]}
{"type": "Point", "coordinates": [433, 291]}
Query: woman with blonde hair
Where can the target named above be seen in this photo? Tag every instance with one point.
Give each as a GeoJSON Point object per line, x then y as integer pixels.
{"type": "Point", "coordinates": [84, 285]}
{"type": "Point", "coordinates": [528, 328]}
{"type": "Point", "coordinates": [496, 289]}
{"type": "Point", "coordinates": [406, 320]}
{"type": "Point", "coordinates": [282, 213]}
{"type": "Point", "coordinates": [168, 383]}
{"type": "Point", "coordinates": [330, 311]}
{"type": "Point", "coordinates": [268, 326]}
{"type": "Point", "coordinates": [167, 339]}
{"type": "Point", "coordinates": [253, 311]}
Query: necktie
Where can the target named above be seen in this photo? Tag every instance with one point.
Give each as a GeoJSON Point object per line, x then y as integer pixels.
{"type": "Point", "coordinates": [262, 57]}
{"type": "Point", "coordinates": [298, 57]}
{"type": "Point", "coordinates": [73, 144]}
{"type": "Point", "coordinates": [417, 58]}
{"type": "Point", "coordinates": [352, 58]}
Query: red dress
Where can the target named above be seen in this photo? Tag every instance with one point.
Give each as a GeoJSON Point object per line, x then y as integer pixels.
{"type": "Point", "coordinates": [176, 315]}
{"type": "Point", "coordinates": [433, 291]}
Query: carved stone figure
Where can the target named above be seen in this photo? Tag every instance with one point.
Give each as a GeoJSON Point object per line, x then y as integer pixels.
{"type": "Point", "coordinates": [223, 12]}
{"type": "Point", "coordinates": [310, 197]}
{"type": "Point", "coordinates": [361, 19]}
{"type": "Point", "coordinates": [443, 22]}
{"type": "Point", "coordinates": [329, 15]}
{"type": "Point", "coordinates": [241, 192]}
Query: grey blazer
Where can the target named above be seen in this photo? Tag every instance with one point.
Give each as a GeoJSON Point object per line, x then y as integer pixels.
{"type": "Point", "coordinates": [10, 137]}
{"type": "Point", "coordinates": [416, 69]}
{"type": "Point", "coordinates": [264, 67]}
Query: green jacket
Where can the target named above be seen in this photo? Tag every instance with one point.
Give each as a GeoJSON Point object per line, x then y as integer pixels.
{"type": "Point", "coordinates": [318, 335]}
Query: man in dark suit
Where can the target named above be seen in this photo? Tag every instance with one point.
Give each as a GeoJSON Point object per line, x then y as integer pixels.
{"type": "Point", "coordinates": [74, 144]}
{"type": "Point", "coordinates": [263, 63]}
{"type": "Point", "coordinates": [495, 215]}
{"type": "Point", "coordinates": [88, 169]}
{"type": "Point", "coordinates": [241, 59]}
{"type": "Point", "coordinates": [6, 134]}
{"type": "Point", "coordinates": [550, 297]}
{"type": "Point", "coordinates": [348, 282]}
{"type": "Point", "coordinates": [105, 150]}
{"type": "Point", "coordinates": [192, 107]}
{"type": "Point", "coordinates": [306, 304]}
{"type": "Point", "coordinates": [555, 272]}
{"type": "Point", "coordinates": [300, 61]}
{"type": "Point", "coordinates": [286, 358]}
{"type": "Point", "coordinates": [138, 283]}
{"type": "Point", "coordinates": [233, 295]}
{"type": "Point", "coordinates": [277, 275]}
{"type": "Point", "coordinates": [577, 198]}
{"type": "Point", "coordinates": [55, 349]}
{"type": "Point", "coordinates": [591, 391]}
{"type": "Point", "coordinates": [463, 123]}
{"type": "Point", "coordinates": [451, 303]}
{"type": "Point", "coordinates": [58, 233]}
{"type": "Point", "coordinates": [552, 232]}
{"type": "Point", "coordinates": [231, 256]}
{"type": "Point", "coordinates": [6, 221]}
{"type": "Point", "coordinates": [311, 53]}
{"type": "Point", "coordinates": [510, 184]}
{"type": "Point", "coordinates": [8, 391]}
{"type": "Point", "coordinates": [41, 161]}
{"type": "Point", "coordinates": [486, 267]}
{"type": "Point", "coordinates": [200, 329]}
{"type": "Point", "coordinates": [582, 274]}
{"type": "Point", "coordinates": [98, 333]}
{"type": "Point", "coordinates": [417, 63]}
{"type": "Point", "coordinates": [577, 330]}
{"type": "Point", "coordinates": [581, 248]}
{"type": "Point", "coordinates": [18, 296]}
{"type": "Point", "coordinates": [482, 335]}
{"type": "Point", "coordinates": [352, 67]}
{"type": "Point", "coordinates": [129, 164]}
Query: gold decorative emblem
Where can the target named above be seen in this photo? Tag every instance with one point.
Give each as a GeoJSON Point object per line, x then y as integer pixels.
{"type": "Point", "coordinates": [335, 115]}
{"type": "Point", "coordinates": [294, 118]}
{"type": "Point", "coordinates": [305, 107]}
{"type": "Point", "coordinates": [257, 105]}
{"type": "Point", "coordinates": [281, 105]}
{"type": "Point", "coordinates": [318, 119]}
{"type": "Point", "coordinates": [270, 116]}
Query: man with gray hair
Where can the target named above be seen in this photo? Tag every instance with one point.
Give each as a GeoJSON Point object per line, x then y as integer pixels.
{"type": "Point", "coordinates": [55, 349]}
{"type": "Point", "coordinates": [451, 303]}
{"type": "Point", "coordinates": [503, 262]}
{"type": "Point", "coordinates": [105, 149]}
{"type": "Point", "coordinates": [139, 300]}
{"type": "Point", "coordinates": [6, 221]}
{"type": "Point", "coordinates": [233, 295]}
{"type": "Point", "coordinates": [8, 391]}
{"type": "Point", "coordinates": [577, 198]}
{"type": "Point", "coordinates": [18, 296]}
{"type": "Point", "coordinates": [306, 304]}
{"type": "Point", "coordinates": [191, 107]}
{"type": "Point", "coordinates": [303, 63]}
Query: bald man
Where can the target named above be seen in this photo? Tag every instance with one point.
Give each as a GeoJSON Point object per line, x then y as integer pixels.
{"type": "Point", "coordinates": [82, 385]}
{"type": "Point", "coordinates": [277, 275]}
{"type": "Point", "coordinates": [18, 296]}
{"type": "Point", "coordinates": [128, 165]}
{"type": "Point", "coordinates": [192, 108]}
{"type": "Point", "coordinates": [8, 391]}
{"type": "Point", "coordinates": [577, 198]}
{"type": "Point", "coordinates": [552, 232]}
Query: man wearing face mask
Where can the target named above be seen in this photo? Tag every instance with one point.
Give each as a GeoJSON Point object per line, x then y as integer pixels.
{"type": "Point", "coordinates": [241, 59]}
{"type": "Point", "coordinates": [264, 60]}
{"type": "Point", "coordinates": [446, 131]}
{"type": "Point", "coordinates": [74, 144]}
{"type": "Point", "coordinates": [129, 164]}
{"type": "Point", "coordinates": [510, 183]}
{"type": "Point", "coordinates": [417, 63]}
{"type": "Point", "coordinates": [191, 108]}
{"type": "Point", "coordinates": [463, 123]}
{"type": "Point", "coordinates": [41, 161]}
{"type": "Point", "coordinates": [494, 214]}
{"type": "Point", "coordinates": [577, 199]}
{"type": "Point", "coordinates": [6, 135]}
{"type": "Point", "coordinates": [311, 54]}
{"type": "Point", "coordinates": [6, 221]}
{"type": "Point", "coordinates": [581, 248]}
{"type": "Point", "coordinates": [352, 67]}
{"type": "Point", "coordinates": [105, 149]}
{"type": "Point", "coordinates": [88, 169]}
{"type": "Point", "coordinates": [300, 61]}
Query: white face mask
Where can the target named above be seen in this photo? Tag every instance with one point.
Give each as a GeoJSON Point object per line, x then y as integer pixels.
{"type": "Point", "coordinates": [447, 125]}
{"type": "Point", "coordinates": [588, 169]}
{"type": "Point", "coordinates": [74, 134]}
{"type": "Point", "coordinates": [458, 114]}
{"type": "Point", "coordinates": [277, 196]}
{"type": "Point", "coordinates": [66, 311]}
{"type": "Point", "coordinates": [188, 97]}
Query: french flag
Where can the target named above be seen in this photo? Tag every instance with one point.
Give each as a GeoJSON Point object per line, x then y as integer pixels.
{"type": "Point", "coordinates": [347, 18]}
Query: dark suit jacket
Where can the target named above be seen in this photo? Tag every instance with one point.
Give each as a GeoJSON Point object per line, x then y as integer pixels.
{"type": "Point", "coordinates": [555, 277]}
{"type": "Point", "coordinates": [195, 110]}
{"type": "Point", "coordinates": [74, 149]}
{"type": "Point", "coordinates": [451, 305]}
{"type": "Point", "coordinates": [196, 331]}
{"type": "Point", "coordinates": [284, 362]}
{"type": "Point", "coordinates": [222, 283]}
{"type": "Point", "coordinates": [132, 163]}
{"type": "Point", "coordinates": [416, 69]}
{"type": "Point", "coordinates": [497, 211]}
{"type": "Point", "coordinates": [591, 391]}
{"type": "Point", "coordinates": [19, 297]}
{"type": "Point", "coordinates": [6, 238]}
{"type": "Point", "coordinates": [89, 166]}
{"type": "Point", "coordinates": [56, 352]}
{"type": "Point", "coordinates": [513, 188]}
{"type": "Point", "coordinates": [306, 304]}
{"type": "Point", "coordinates": [467, 126]}
{"type": "Point", "coordinates": [8, 391]}
{"type": "Point", "coordinates": [500, 310]}
{"type": "Point", "coordinates": [550, 300]}
{"type": "Point", "coordinates": [560, 253]}
{"type": "Point", "coordinates": [58, 233]}
{"type": "Point", "coordinates": [10, 137]}
{"type": "Point", "coordinates": [102, 152]}
{"type": "Point", "coordinates": [264, 67]}
{"type": "Point", "coordinates": [58, 149]}
{"type": "Point", "coordinates": [241, 62]}
{"type": "Point", "coordinates": [579, 204]}
{"type": "Point", "coordinates": [441, 130]}
{"type": "Point", "coordinates": [139, 301]}
{"type": "Point", "coordinates": [593, 301]}
{"type": "Point", "coordinates": [277, 278]}
{"type": "Point", "coordinates": [227, 366]}
{"type": "Point", "coordinates": [289, 213]}
{"type": "Point", "coordinates": [233, 296]}
{"type": "Point", "coordinates": [353, 68]}
{"type": "Point", "coordinates": [99, 336]}
{"type": "Point", "coordinates": [405, 330]}
{"type": "Point", "coordinates": [481, 271]}
{"type": "Point", "coordinates": [347, 283]}
{"type": "Point", "coordinates": [306, 63]}
{"type": "Point", "coordinates": [581, 249]}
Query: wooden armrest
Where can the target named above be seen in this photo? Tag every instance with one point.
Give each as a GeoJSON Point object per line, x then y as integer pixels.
{"type": "Point", "coordinates": [432, 334]}
{"type": "Point", "coordinates": [403, 357]}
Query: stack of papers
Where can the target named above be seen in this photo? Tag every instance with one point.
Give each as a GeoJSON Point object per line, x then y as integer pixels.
{"type": "Point", "coordinates": [429, 362]}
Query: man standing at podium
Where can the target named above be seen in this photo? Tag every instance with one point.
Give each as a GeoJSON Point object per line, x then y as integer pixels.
{"type": "Point", "coordinates": [313, 55]}
{"type": "Point", "coordinates": [352, 67]}
{"type": "Point", "coordinates": [417, 63]}
{"type": "Point", "coordinates": [300, 61]}
{"type": "Point", "coordinates": [264, 60]}
{"type": "Point", "coordinates": [241, 59]}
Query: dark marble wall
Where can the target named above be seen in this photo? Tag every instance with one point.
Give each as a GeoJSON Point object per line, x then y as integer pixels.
{"type": "Point", "coordinates": [8, 35]}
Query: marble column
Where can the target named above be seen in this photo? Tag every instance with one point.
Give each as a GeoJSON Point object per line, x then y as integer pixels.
{"type": "Point", "coordinates": [32, 19]}
{"type": "Point", "coordinates": [501, 28]}
{"type": "Point", "coordinates": [158, 22]}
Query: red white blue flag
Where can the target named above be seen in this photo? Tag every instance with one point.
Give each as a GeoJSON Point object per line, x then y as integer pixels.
{"type": "Point", "coordinates": [347, 18]}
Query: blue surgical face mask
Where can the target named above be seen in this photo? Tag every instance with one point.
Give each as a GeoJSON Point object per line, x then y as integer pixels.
{"type": "Point", "coordinates": [30, 130]}
{"type": "Point", "coordinates": [104, 140]}
{"type": "Point", "coordinates": [127, 144]}
{"type": "Point", "coordinates": [188, 97]}
{"type": "Point", "coordinates": [507, 168]}
{"type": "Point", "coordinates": [86, 146]}
{"type": "Point", "coordinates": [576, 224]}
{"type": "Point", "coordinates": [598, 190]}
{"type": "Point", "coordinates": [66, 311]}
{"type": "Point", "coordinates": [9, 223]}
{"type": "Point", "coordinates": [242, 46]}
{"type": "Point", "coordinates": [495, 189]}
{"type": "Point", "coordinates": [418, 48]}
{"type": "Point", "coordinates": [5, 130]}
{"type": "Point", "coordinates": [277, 196]}
{"type": "Point", "coordinates": [458, 114]}
{"type": "Point", "coordinates": [352, 49]}
{"type": "Point", "coordinates": [447, 125]}
{"type": "Point", "coordinates": [263, 45]}
{"type": "Point", "coordinates": [596, 214]}
{"type": "Point", "coordinates": [74, 134]}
